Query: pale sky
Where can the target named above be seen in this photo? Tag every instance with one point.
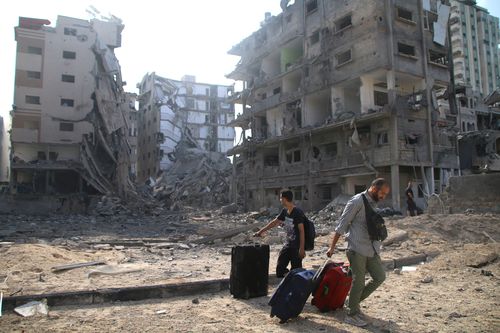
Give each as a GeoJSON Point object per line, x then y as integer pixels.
{"type": "Point", "coordinates": [169, 37]}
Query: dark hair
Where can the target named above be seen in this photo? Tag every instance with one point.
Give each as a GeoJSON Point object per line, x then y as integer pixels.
{"type": "Point", "coordinates": [379, 183]}
{"type": "Point", "coordinates": [287, 194]}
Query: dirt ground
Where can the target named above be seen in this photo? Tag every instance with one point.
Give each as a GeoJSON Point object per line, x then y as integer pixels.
{"type": "Point", "coordinates": [457, 291]}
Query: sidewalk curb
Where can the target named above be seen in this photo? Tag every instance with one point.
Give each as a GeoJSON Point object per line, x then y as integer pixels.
{"type": "Point", "coordinates": [124, 294]}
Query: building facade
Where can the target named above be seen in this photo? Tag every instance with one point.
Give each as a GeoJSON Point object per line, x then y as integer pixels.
{"type": "Point", "coordinates": [4, 153]}
{"type": "Point", "coordinates": [336, 93]}
{"type": "Point", "coordinates": [475, 37]}
{"type": "Point", "coordinates": [67, 123]}
{"type": "Point", "coordinates": [171, 111]}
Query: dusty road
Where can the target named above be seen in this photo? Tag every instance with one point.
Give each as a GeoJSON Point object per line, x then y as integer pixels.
{"type": "Point", "coordinates": [461, 293]}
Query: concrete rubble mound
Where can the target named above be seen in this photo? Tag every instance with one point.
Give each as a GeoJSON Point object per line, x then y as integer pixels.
{"type": "Point", "coordinates": [197, 178]}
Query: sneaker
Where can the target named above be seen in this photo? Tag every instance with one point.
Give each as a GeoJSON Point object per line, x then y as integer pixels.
{"type": "Point", "coordinates": [355, 320]}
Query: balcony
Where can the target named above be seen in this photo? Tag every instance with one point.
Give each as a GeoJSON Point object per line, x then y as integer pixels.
{"type": "Point", "coordinates": [24, 135]}
{"type": "Point", "coordinates": [266, 103]}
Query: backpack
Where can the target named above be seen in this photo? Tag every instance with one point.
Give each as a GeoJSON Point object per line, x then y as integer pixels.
{"type": "Point", "coordinates": [376, 224]}
{"type": "Point", "coordinates": [310, 234]}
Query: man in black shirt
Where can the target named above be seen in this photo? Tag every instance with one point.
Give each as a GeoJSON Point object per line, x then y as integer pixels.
{"type": "Point", "coordinates": [412, 206]}
{"type": "Point", "coordinates": [292, 219]}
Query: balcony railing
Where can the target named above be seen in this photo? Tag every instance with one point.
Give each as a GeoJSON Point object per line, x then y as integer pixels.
{"type": "Point", "coordinates": [24, 135]}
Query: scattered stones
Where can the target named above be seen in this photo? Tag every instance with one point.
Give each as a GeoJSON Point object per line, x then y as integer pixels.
{"type": "Point", "coordinates": [196, 301]}
{"type": "Point", "coordinates": [486, 273]}
{"type": "Point", "coordinates": [427, 279]}
{"type": "Point", "coordinates": [397, 271]}
{"type": "Point", "coordinates": [456, 315]}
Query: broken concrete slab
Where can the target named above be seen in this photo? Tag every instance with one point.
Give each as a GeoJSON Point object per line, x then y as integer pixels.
{"type": "Point", "coordinates": [68, 267]}
{"type": "Point", "coordinates": [32, 308]}
{"type": "Point", "coordinates": [112, 270]}
{"type": "Point", "coordinates": [228, 234]}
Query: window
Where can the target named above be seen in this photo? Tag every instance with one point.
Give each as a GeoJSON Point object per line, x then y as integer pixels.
{"type": "Point", "coordinates": [66, 127]}
{"type": "Point", "coordinates": [276, 90]}
{"type": "Point", "coordinates": [67, 102]}
{"type": "Point", "coordinates": [311, 6]}
{"type": "Point", "coordinates": [406, 49]}
{"type": "Point", "coordinates": [34, 75]}
{"type": "Point", "coordinates": [405, 14]}
{"type": "Point", "coordinates": [314, 37]}
{"type": "Point", "coordinates": [190, 103]}
{"type": "Point", "coordinates": [53, 155]}
{"type": "Point", "coordinates": [34, 50]}
{"type": "Point", "coordinates": [343, 23]}
{"type": "Point", "coordinates": [438, 57]}
{"type": "Point", "coordinates": [331, 149]}
{"type": "Point", "coordinates": [68, 78]}
{"type": "Point", "coordinates": [326, 193]}
{"type": "Point", "coordinates": [41, 155]}
{"type": "Point", "coordinates": [293, 156]}
{"type": "Point", "coordinates": [343, 57]}
{"type": "Point", "coordinates": [381, 98]}
{"type": "Point", "coordinates": [69, 55]}
{"type": "Point", "coordinates": [382, 138]}
{"type": "Point", "coordinates": [70, 31]}
{"type": "Point", "coordinates": [32, 99]}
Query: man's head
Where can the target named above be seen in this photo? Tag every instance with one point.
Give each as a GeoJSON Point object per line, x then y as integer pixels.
{"type": "Point", "coordinates": [286, 197]}
{"type": "Point", "coordinates": [379, 189]}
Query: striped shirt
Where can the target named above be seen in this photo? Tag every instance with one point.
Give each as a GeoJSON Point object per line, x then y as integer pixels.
{"type": "Point", "coordinates": [352, 224]}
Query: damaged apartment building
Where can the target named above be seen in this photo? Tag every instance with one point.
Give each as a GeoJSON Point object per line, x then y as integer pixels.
{"type": "Point", "coordinates": [336, 93]}
{"type": "Point", "coordinates": [69, 118]}
{"type": "Point", "coordinates": [171, 111]}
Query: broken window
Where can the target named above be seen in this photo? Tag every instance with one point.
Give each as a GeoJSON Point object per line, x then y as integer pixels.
{"type": "Point", "coordinates": [315, 152]}
{"type": "Point", "coordinates": [293, 156]}
{"type": "Point", "coordinates": [276, 90]}
{"type": "Point", "coordinates": [53, 155]}
{"type": "Point", "coordinates": [404, 14]}
{"type": "Point", "coordinates": [438, 57]}
{"type": "Point", "coordinates": [297, 193]}
{"type": "Point", "coordinates": [41, 155]}
{"type": "Point", "coordinates": [68, 78]}
{"type": "Point", "coordinates": [69, 55]}
{"type": "Point", "coordinates": [67, 102]}
{"type": "Point", "coordinates": [326, 193]}
{"type": "Point", "coordinates": [66, 127]}
{"type": "Point", "coordinates": [411, 139]}
{"type": "Point", "coordinates": [70, 31]}
{"type": "Point", "coordinates": [34, 75]}
{"type": "Point", "coordinates": [343, 23]}
{"type": "Point", "coordinates": [429, 19]}
{"type": "Point", "coordinates": [381, 98]}
{"type": "Point", "coordinates": [32, 99]}
{"type": "Point", "coordinates": [271, 160]}
{"type": "Point", "coordinates": [331, 149]}
{"type": "Point", "coordinates": [364, 136]}
{"type": "Point", "coordinates": [343, 57]}
{"type": "Point", "coordinates": [314, 37]}
{"type": "Point", "coordinates": [189, 103]}
{"type": "Point", "coordinates": [406, 49]}
{"type": "Point", "coordinates": [34, 50]}
{"type": "Point", "coordinates": [382, 138]}
{"type": "Point", "coordinates": [311, 6]}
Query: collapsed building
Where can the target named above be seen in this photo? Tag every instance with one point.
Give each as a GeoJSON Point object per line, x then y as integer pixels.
{"type": "Point", "coordinates": [69, 118]}
{"type": "Point", "coordinates": [179, 114]}
{"type": "Point", "coordinates": [336, 93]}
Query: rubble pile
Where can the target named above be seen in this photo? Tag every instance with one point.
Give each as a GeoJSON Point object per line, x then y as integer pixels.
{"type": "Point", "coordinates": [197, 178]}
{"type": "Point", "coordinates": [328, 216]}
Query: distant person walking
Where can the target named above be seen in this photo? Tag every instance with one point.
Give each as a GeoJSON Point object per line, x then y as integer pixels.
{"type": "Point", "coordinates": [362, 252]}
{"type": "Point", "coordinates": [410, 202]}
{"type": "Point", "coordinates": [292, 219]}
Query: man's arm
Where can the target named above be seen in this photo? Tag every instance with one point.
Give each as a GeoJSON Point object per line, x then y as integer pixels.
{"type": "Point", "coordinates": [335, 239]}
{"type": "Point", "coordinates": [302, 238]}
{"type": "Point", "coordinates": [270, 225]}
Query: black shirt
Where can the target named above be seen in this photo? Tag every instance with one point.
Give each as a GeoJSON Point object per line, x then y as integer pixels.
{"type": "Point", "coordinates": [290, 224]}
{"type": "Point", "coordinates": [408, 192]}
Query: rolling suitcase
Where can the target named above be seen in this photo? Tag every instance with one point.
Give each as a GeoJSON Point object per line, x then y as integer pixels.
{"type": "Point", "coordinates": [291, 295]}
{"type": "Point", "coordinates": [332, 284]}
{"type": "Point", "coordinates": [249, 271]}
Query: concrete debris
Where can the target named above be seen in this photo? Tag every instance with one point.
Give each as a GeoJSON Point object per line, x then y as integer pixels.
{"type": "Point", "coordinates": [197, 178]}
{"type": "Point", "coordinates": [229, 234]}
{"type": "Point", "coordinates": [112, 270]}
{"type": "Point", "coordinates": [395, 236]}
{"type": "Point", "coordinates": [230, 209]}
{"type": "Point", "coordinates": [78, 265]}
{"type": "Point", "coordinates": [32, 308]}
{"type": "Point", "coordinates": [427, 279]}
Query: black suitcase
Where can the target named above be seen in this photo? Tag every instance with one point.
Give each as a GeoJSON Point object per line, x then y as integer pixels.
{"type": "Point", "coordinates": [249, 271]}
